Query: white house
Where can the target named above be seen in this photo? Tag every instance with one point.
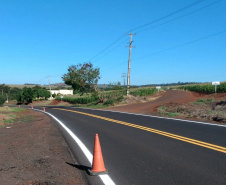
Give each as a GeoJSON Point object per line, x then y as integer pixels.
{"type": "Point", "coordinates": [62, 91]}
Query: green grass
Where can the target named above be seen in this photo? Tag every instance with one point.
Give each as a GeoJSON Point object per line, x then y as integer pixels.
{"type": "Point", "coordinates": [199, 103]}
{"type": "Point", "coordinates": [204, 101]}
{"type": "Point", "coordinates": [161, 112]}
{"type": "Point", "coordinates": [27, 118]}
{"type": "Point", "coordinates": [209, 111]}
{"type": "Point", "coordinates": [172, 114]}
{"type": "Point", "coordinates": [163, 108]}
{"type": "Point", "coordinates": [11, 109]}
{"type": "Point", "coordinates": [10, 119]}
{"type": "Point", "coordinates": [13, 117]}
{"type": "Point", "coordinates": [169, 114]}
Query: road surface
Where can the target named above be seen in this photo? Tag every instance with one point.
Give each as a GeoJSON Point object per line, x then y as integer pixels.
{"type": "Point", "coordinates": [148, 150]}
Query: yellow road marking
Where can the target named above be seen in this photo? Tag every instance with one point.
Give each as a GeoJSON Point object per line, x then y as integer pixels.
{"type": "Point", "coordinates": [167, 134]}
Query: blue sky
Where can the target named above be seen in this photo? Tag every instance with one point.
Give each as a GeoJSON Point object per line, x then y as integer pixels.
{"type": "Point", "coordinates": [175, 40]}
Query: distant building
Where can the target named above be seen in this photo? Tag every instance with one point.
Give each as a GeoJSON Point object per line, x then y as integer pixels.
{"type": "Point", "coordinates": [62, 91]}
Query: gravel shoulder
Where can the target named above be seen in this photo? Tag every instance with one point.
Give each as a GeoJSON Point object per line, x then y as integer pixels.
{"type": "Point", "coordinates": [33, 152]}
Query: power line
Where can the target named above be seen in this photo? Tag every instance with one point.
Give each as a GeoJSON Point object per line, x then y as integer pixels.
{"type": "Point", "coordinates": [186, 43]}
{"type": "Point", "coordinates": [106, 48]}
{"type": "Point", "coordinates": [112, 50]}
{"type": "Point", "coordinates": [154, 21]}
{"type": "Point", "coordinates": [168, 15]}
{"type": "Point", "coordinates": [181, 16]}
{"type": "Point", "coordinates": [173, 47]}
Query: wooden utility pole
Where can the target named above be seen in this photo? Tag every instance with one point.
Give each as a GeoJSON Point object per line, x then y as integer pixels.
{"type": "Point", "coordinates": [129, 62]}
{"type": "Point", "coordinates": [49, 87]}
{"type": "Point", "coordinates": [124, 80]}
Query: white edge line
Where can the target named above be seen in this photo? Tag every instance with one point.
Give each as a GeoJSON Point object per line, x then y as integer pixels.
{"type": "Point", "coordinates": [204, 123]}
{"type": "Point", "coordinates": [105, 178]}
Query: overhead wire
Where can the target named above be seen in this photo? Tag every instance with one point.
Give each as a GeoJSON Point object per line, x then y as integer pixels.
{"type": "Point", "coordinates": [107, 47]}
{"type": "Point", "coordinates": [112, 50]}
{"type": "Point", "coordinates": [173, 47]}
{"type": "Point", "coordinates": [154, 21]}
{"type": "Point", "coordinates": [190, 42]}
{"type": "Point", "coordinates": [169, 21]}
{"type": "Point", "coordinates": [186, 43]}
{"type": "Point", "coordinates": [168, 15]}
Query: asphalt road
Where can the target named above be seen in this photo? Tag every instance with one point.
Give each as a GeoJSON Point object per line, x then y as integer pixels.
{"type": "Point", "coordinates": [148, 150]}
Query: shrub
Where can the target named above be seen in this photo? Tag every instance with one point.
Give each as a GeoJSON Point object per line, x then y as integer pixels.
{"type": "Point", "coordinates": [143, 91]}
{"type": "Point", "coordinates": [202, 100]}
{"type": "Point", "coordinates": [109, 102]}
{"type": "Point", "coordinates": [77, 100]}
{"type": "Point", "coordinates": [2, 100]}
{"type": "Point", "coordinates": [25, 96]}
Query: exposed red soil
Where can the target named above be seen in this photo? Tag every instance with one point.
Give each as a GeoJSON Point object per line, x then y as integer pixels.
{"type": "Point", "coordinates": [170, 96]}
{"type": "Point", "coordinates": [46, 102]}
{"type": "Point", "coordinates": [58, 102]}
{"type": "Point", "coordinates": [55, 102]}
{"type": "Point", "coordinates": [35, 153]}
{"type": "Point", "coordinates": [180, 101]}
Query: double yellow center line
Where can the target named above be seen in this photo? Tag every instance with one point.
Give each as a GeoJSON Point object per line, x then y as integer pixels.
{"type": "Point", "coordinates": [167, 134]}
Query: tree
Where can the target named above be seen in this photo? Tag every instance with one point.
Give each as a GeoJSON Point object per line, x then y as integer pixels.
{"type": "Point", "coordinates": [41, 92]}
{"type": "Point", "coordinates": [2, 100]}
{"type": "Point", "coordinates": [82, 77]}
{"type": "Point", "coordinates": [25, 96]}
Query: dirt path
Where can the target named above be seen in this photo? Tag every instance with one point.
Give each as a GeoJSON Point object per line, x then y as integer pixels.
{"type": "Point", "coordinates": [171, 96]}
{"type": "Point", "coordinates": [35, 153]}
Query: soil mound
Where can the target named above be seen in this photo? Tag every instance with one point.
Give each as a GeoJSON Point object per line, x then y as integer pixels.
{"type": "Point", "coordinates": [170, 96]}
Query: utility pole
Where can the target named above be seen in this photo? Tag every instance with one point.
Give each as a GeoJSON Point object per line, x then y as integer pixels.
{"type": "Point", "coordinates": [49, 87]}
{"type": "Point", "coordinates": [124, 76]}
{"type": "Point", "coordinates": [7, 101]}
{"type": "Point", "coordinates": [129, 62]}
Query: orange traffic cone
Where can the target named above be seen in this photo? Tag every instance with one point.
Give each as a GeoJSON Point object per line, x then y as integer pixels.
{"type": "Point", "coordinates": [32, 107]}
{"type": "Point", "coordinates": [44, 109]}
{"type": "Point", "coordinates": [98, 161]}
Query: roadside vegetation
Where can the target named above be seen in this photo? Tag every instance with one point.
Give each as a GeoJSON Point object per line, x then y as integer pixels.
{"type": "Point", "coordinates": [206, 88]}
{"type": "Point", "coordinates": [25, 95]}
{"type": "Point", "coordinates": [208, 109]}
{"type": "Point", "coordinates": [2, 100]}
{"type": "Point", "coordinates": [28, 95]}
{"type": "Point", "coordinates": [106, 98]}
{"type": "Point", "coordinates": [165, 112]}
{"type": "Point", "coordinates": [9, 116]}
{"type": "Point", "coordinates": [84, 78]}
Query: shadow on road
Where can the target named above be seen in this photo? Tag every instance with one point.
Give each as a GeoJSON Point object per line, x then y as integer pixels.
{"type": "Point", "coordinates": [80, 167]}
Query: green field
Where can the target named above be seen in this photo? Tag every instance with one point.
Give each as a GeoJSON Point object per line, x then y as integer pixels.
{"type": "Point", "coordinates": [205, 88]}
{"type": "Point", "coordinates": [107, 97]}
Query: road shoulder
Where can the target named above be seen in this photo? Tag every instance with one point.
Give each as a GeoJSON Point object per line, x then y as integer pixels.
{"type": "Point", "coordinates": [34, 152]}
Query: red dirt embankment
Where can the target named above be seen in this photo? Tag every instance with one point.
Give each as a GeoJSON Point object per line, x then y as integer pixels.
{"type": "Point", "coordinates": [34, 153]}
{"type": "Point", "coordinates": [170, 96]}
